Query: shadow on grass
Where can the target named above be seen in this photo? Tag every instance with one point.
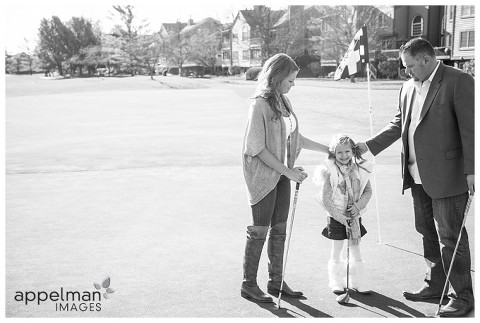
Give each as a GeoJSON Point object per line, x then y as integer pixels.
{"type": "Point", "coordinates": [286, 312]}
{"type": "Point", "coordinates": [386, 304]}
{"type": "Point", "coordinates": [312, 311]}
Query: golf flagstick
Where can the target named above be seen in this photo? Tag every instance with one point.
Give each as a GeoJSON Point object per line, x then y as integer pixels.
{"type": "Point", "coordinates": [467, 208]}
{"type": "Point", "coordinates": [288, 242]}
{"type": "Point", "coordinates": [371, 135]}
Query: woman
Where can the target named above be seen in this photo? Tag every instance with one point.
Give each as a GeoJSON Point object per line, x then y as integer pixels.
{"type": "Point", "coordinates": [271, 144]}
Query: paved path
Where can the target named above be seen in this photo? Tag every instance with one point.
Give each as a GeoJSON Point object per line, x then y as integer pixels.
{"type": "Point", "coordinates": [145, 186]}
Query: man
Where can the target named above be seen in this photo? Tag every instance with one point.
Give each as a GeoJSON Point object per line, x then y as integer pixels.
{"type": "Point", "coordinates": [435, 121]}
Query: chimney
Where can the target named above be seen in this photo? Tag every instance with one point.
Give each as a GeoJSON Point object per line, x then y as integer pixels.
{"type": "Point", "coordinates": [259, 7]}
{"type": "Point", "coordinates": [295, 10]}
{"type": "Point", "coordinates": [190, 21]}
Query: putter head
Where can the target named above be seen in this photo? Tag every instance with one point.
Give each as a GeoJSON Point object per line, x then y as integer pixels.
{"type": "Point", "coordinates": [343, 298]}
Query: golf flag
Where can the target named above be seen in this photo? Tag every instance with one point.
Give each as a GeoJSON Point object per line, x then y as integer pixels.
{"type": "Point", "coordinates": [355, 57]}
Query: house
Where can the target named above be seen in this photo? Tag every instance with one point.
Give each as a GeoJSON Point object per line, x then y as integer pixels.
{"type": "Point", "coordinates": [418, 21]}
{"type": "Point", "coordinates": [194, 62]}
{"type": "Point", "coordinates": [450, 29]}
{"type": "Point", "coordinates": [459, 34]}
{"type": "Point", "coordinates": [301, 31]}
{"type": "Point", "coordinates": [284, 30]}
{"type": "Point", "coordinates": [241, 43]}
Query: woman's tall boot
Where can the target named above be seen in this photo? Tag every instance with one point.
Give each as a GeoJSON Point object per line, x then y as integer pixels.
{"type": "Point", "coordinates": [256, 236]}
{"type": "Point", "coordinates": [276, 247]}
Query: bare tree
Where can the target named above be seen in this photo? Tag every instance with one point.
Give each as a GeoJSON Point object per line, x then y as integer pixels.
{"type": "Point", "coordinates": [289, 37]}
{"type": "Point", "coordinates": [265, 20]}
{"type": "Point", "coordinates": [205, 46]}
{"type": "Point", "coordinates": [149, 51]}
{"type": "Point", "coordinates": [179, 46]}
{"type": "Point", "coordinates": [28, 49]}
{"type": "Point", "coordinates": [339, 24]}
{"type": "Point", "coordinates": [128, 32]}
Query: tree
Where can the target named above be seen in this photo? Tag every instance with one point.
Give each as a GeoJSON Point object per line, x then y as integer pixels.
{"type": "Point", "coordinates": [265, 20]}
{"type": "Point", "coordinates": [339, 24]}
{"type": "Point", "coordinates": [178, 50]}
{"type": "Point", "coordinates": [128, 33]}
{"type": "Point", "coordinates": [56, 43]}
{"type": "Point", "coordinates": [290, 36]}
{"type": "Point", "coordinates": [84, 37]}
{"type": "Point", "coordinates": [29, 51]}
{"type": "Point", "coordinates": [205, 46]}
{"type": "Point", "coordinates": [149, 51]}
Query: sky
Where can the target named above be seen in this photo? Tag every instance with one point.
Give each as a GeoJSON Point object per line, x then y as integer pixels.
{"type": "Point", "coordinates": [21, 18]}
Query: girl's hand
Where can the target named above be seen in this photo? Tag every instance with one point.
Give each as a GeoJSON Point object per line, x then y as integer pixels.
{"type": "Point", "coordinates": [353, 210]}
{"type": "Point", "coordinates": [297, 174]}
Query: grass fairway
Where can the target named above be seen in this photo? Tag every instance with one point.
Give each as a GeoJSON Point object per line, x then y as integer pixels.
{"type": "Point", "coordinates": [141, 180]}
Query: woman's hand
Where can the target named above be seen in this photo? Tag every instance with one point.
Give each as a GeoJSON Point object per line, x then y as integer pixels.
{"type": "Point", "coordinates": [297, 174]}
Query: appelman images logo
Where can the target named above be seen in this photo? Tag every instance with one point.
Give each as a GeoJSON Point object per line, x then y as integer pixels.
{"type": "Point", "coordinates": [68, 300]}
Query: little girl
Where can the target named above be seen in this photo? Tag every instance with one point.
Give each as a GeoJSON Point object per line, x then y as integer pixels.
{"type": "Point", "coordinates": [345, 193]}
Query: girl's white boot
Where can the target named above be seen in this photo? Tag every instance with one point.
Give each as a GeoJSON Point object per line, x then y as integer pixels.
{"type": "Point", "coordinates": [337, 276]}
{"type": "Point", "coordinates": [357, 279]}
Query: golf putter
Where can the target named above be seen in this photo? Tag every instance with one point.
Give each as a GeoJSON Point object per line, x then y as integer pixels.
{"type": "Point", "coordinates": [345, 298]}
{"type": "Point", "coordinates": [288, 242]}
{"type": "Point", "coordinates": [467, 208]}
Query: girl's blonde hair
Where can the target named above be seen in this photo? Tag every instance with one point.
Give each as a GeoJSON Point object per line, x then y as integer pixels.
{"type": "Point", "coordinates": [344, 140]}
{"type": "Point", "coordinates": [276, 69]}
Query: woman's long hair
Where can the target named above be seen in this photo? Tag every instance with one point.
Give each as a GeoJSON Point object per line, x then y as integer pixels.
{"type": "Point", "coordinates": [276, 69]}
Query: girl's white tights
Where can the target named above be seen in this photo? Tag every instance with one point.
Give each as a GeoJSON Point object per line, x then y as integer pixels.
{"type": "Point", "coordinates": [337, 248]}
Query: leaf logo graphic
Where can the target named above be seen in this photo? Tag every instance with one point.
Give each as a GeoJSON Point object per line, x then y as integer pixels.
{"type": "Point", "coordinates": [105, 284]}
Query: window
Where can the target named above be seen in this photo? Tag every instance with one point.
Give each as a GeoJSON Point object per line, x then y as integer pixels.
{"type": "Point", "coordinates": [226, 55]}
{"type": "Point", "coordinates": [325, 25]}
{"type": "Point", "coordinates": [245, 55]}
{"type": "Point", "coordinates": [226, 38]}
{"type": "Point", "coordinates": [273, 34]}
{"type": "Point", "coordinates": [235, 38]}
{"type": "Point", "coordinates": [468, 11]}
{"type": "Point", "coordinates": [245, 32]}
{"type": "Point", "coordinates": [386, 44]}
{"type": "Point", "coordinates": [417, 26]}
{"type": "Point", "coordinates": [255, 53]}
{"type": "Point", "coordinates": [381, 20]}
{"type": "Point", "coordinates": [467, 39]}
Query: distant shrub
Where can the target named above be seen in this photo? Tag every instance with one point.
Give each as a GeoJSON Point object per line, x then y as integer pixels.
{"type": "Point", "coordinates": [469, 67]}
{"type": "Point", "coordinates": [252, 73]}
{"type": "Point", "coordinates": [234, 70]}
{"type": "Point", "coordinates": [389, 68]}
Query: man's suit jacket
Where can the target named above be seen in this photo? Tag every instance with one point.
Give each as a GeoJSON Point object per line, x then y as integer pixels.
{"type": "Point", "coordinates": [444, 137]}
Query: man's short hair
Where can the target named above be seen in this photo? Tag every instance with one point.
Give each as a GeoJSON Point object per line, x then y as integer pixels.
{"type": "Point", "coordinates": [417, 46]}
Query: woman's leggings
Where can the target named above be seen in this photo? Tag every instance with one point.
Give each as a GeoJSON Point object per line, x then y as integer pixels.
{"type": "Point", "coordinates": [273, 208]}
